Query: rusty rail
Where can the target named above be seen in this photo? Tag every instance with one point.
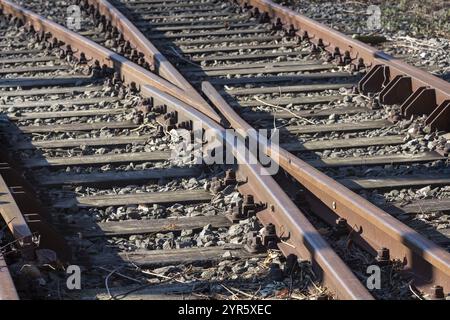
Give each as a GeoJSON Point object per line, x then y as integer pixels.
{"type": "Point", "coordinates": [305, 241]}
{"type": "Point", "coordinates": [417, 91]}
{"type": "Point", "coordinates": [376, 229]}
{"type": "Point", "coordinates": [162, 66]}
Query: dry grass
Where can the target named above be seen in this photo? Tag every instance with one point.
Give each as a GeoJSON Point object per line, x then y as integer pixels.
{"type": "Point", "coordinates": [417, 17]}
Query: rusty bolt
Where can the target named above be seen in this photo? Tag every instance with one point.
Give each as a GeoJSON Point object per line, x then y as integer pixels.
{"type": "Point", "coordinates": [69, 50]}
{"type": "Point", "coordinates": [314, 49]}
{"type": "Point", "coordinates": [159, 131]}
{"type": "Point", "coordinates": [305, 36]}
{"type": "Point", "coordinates": [160, 109]}
{"type": "Point", "coordinates": [347, 57]}
{"type": "Point", "coordinates": [264, 18]}
{"type": "Point", "coordinates": [248, 206]}
{"type": "Point", "coordinates": [394, 116]}
{"type": "Point", "coordinates": [341, 226]}
{"type": "Point", "coordinates": [374, 104]}
{"type": "Point", "coordinates": [278, 25]}
{"type": "Point", "coordinates": [320, 44]}
{"type": "Point", "coordinates": [361, 64]}
{"type": "Point", "coordinates": [383, 256]}
{"type": "Point", "coordinates": [330, 57]}
{"type": "Point", "coordinates": [255, 13]}
{"type": "Point", "coordinates": [230, 177]}
{"type": "Point", "coordinates": [437, 293]}
{"type": "Point", "coordinates": [291, 264]}
{"type": "Point", "coordinates": [269, 236]}
{"type": "Point", "coordinates": [292, 31]}
{"type": "Point", "coordinates": [83, 59]}
{"type": "Point", "coordinates": [275, 272]}
{"type": "Point", "coordinates": [216, 185]}
{"type": "Point", "coordinates": [234, 213]}
{"type": "Point", "coordinates": [446, 149]}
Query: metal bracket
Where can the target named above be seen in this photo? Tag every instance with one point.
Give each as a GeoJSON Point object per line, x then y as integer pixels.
{"type": "Point", "coordinates": [397, 90]}
{"type": "Point", "coordinates": [423, 101]}
{"type": "Point", "coordinates": [439, 118]}
{"type": "Point", "coordinates": [375, 79]}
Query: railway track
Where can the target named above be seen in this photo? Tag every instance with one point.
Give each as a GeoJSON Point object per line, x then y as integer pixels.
{"type": "Point", "coordinates": [337, 133]}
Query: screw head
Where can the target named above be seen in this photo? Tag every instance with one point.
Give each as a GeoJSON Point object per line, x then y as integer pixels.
{"type": "Point", "coordinates": [383, 256]}
{"type": "Point", "coordinates": [437, 292]}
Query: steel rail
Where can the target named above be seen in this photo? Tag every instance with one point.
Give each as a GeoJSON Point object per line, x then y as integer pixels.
{"type": "Point", "coordinates": [305, 241]}
{"type": "Point", "coordinates": [429, 263]}
{"type": "Point", "coordinates": [163, 67]}
{"type": "Point", "coordinates": [92, 50]}
{"type": "Point", "coordinates": [7, 289]}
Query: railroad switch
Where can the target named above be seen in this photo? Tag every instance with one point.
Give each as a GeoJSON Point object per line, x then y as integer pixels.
{"type": "Point", "coordinates": [437, 293]}
{"type": "Point", "coordinates": [383, 256]}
